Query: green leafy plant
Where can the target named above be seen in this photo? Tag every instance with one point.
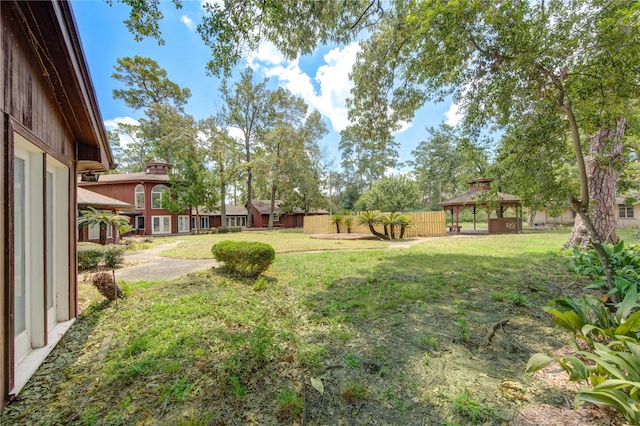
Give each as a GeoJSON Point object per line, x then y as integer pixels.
{"type": "Point", "coordinates": [371, 220]}
{"type": "Point", "coordinates": [625, 261]}
{"type": "Point", "coordinates": [248, 259]}
{"type": "Point", "coordinates": [348, 221]}
{"type": "Point", "coordinates": [113, 256]}
{"type": "Point", "coordinates": [102, 219]}
{"type": "Point", "coordinates": [89, 256]}
{"type": "Point", "coordinates": [223, 230]}
{"type": "Point", "coordinates": [337, 220]}
{"type": "Point", "coordinates": [354, 392]}
{"type": "Point", "coordinates": [607, 351]}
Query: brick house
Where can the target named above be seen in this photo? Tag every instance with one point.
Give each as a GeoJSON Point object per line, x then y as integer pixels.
{"type": "Point", "coordinates": [144, 191]}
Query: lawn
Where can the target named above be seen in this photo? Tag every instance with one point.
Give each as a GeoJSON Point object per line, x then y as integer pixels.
{"type": "Point", "coordinates": [357, 337]}
{"type": "Point", "coordinates": [283, 241]}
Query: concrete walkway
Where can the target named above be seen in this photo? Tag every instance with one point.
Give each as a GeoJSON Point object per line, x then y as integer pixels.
{"type": "Point", "coordinates": [149, 265]}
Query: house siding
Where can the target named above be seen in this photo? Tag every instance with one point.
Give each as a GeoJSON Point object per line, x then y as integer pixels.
{"type": "Point", "coordinates": [33, 104]}
{"type": "Point", "coordinates": [125, 191]}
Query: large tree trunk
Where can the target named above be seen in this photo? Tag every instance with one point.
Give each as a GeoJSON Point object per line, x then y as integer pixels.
{"type": "Point", "coordinates": [272, 206]}
{"type": "Point", "coordinates": [605, 152]}
{"type": "Point", "coordinates": [223, 203]}
{"type": "Point", "coordinates": [249, 179]}
{"type": "Point", "coordinates": [103, 234]}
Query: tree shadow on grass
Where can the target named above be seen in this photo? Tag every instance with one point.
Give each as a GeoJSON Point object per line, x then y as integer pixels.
{"type": "Point", "coordinates": [422, 321]}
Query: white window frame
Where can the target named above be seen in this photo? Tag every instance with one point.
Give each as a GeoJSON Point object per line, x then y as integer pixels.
{"type": "Point", "coordinates": [204, 222]}
{"type": "Point", "coordinates": [138, 222]}
{"type": "Point", "coordinates": [623, 212]}
{"type": "Point", "coordinates": [164, 224]}
{"type": "Point", "coordinates": [237, 221]}
{"type": "Point", "coordinates": [94, 232]}
{"type": "Point", "coordinates": [156, 195]}
{"type": "Point", "coordinates": [194, 222]}
{"type": "Point", "coordinates": [183, 223]}
{"type": "Point", "coordinates": [139, 202]}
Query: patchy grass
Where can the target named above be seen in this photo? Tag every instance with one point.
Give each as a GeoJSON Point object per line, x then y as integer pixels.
{"type": "Point", "coordinates": [379, 328]}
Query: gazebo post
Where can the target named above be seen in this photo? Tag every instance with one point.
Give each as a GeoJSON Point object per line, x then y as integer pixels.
{"type": "Point", "coordinates": [474, 218]}
{"type": "Point", "coordinates": [457, 220]}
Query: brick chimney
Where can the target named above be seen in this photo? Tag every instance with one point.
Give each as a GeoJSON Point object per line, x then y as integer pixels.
{"type": "Point", "coordinates": [158, 168]}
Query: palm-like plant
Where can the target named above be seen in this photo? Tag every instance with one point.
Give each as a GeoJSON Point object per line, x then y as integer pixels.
{"type": "Point", "coordinates": [102, 218]}
{"type": "Point", "coordinates": [404, 222]}
{"type": "Point", "coordinates": [337, 219]}
{"type": "Point", "coordinates": [371, 219]}
{"type": "Point", "coordinates": [347, 222]}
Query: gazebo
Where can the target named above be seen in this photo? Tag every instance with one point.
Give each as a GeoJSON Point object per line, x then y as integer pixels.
{"type": "Point", "coordinates": [481, 198]}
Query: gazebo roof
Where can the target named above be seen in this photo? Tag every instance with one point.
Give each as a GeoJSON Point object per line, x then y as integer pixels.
{"type": "Point", "coordinates": [481, 197]}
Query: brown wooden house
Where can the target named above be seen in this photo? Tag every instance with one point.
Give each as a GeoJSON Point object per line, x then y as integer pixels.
{"type": "Point", "coordinates": [236, 216]}
{"type": "Point", "coordinates": [291, 219]}
{"type": "Point", "coordinates": [52, 130]}
{"type": "Point", "coordinates": [144, 191]}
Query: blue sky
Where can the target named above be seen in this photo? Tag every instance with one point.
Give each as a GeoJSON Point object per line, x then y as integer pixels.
{"type": "Point", "coordinates": [320, 78]}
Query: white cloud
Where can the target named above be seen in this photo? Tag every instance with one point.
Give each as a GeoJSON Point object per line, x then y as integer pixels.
{"type": "Point", "coordinates": [332, 79]}
{"type": "Point", "coordinates": [266, 53]}
{"type": "Point", "coordinates": [187, 21]}
{"type": "Point", "coordinates": [235, 133]}
{"type": "Point", "coordinates": [404, 126]}
{"type": "Point", "coordinates": [112, 124]}
{"type": "Point", "coordinates": [453, 114]}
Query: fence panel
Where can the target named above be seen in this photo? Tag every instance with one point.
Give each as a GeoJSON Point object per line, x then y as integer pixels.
{"type": "Point", "coordinates": [426, 224]}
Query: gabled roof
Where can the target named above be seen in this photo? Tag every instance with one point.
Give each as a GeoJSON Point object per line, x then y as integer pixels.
{"type": "Point", "coordinates": [88, 198]}
{"type": "Point", "coordinates": [480, 197]}
{"type": "Point", "coordinates": [264, 206]}
{"type": "Point", "coordinates": [51, 27]}
{"type": "Point", "coordinates": [620, 201]}
{"type": "Point", "coordinates": [230, 211]}
{"type": "Point", "coordinates": [129, 177]}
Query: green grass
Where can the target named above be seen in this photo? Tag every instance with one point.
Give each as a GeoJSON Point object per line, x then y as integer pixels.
{"type": "Point", "coordinates": [209, 348]}
{"type": "Point", "coordinates": [283, 241]}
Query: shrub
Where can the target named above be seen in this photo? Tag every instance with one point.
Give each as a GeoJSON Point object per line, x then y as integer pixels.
{"type": "Point", "coordinates": [113, 256]}
{"type": "Point", "coordinates": [103, 281]}
{"type": "Point", "coordinates": [607, 351]}
{"type": "Point", "coordinates": [235, 229]}
{"type": "Point", "coordinates": [223, 230]}
{"type": "Point", "coordinates": [248, 259]}
{"type": "Point", "coordinates": [625, 262]}
{"type": "Point", "coordinates": [89, 255]}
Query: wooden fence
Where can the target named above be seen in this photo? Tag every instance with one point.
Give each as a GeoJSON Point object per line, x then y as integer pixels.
{"type": "Point", "coordinates": [426, 224]}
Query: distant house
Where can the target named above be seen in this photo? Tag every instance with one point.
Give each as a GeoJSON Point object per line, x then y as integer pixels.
{"type": "Point", "coordinates": [88, 198]}
{"type": "Point", "coordinates": [627, 215]}
{"type": "Point", "coordinates": [236, 216]}
{"type": "Point", "coordinates": [51, 130]}
{"type": "Point", "coordinates": [260, 210]}
{"type": "Point", "coordinates": [145, 192]}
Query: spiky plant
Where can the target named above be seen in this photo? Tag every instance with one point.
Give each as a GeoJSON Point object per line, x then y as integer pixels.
{"type": "Point", "coordinates": [102, 218]}
{"type": "Point", "coordinates": [371, 219]}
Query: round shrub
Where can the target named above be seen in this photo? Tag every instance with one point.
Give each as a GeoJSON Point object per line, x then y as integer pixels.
{"type": "Point", "coordinates": [113, 256]}
{"type": "Point", "coordinates": [248, 259]}
{"type": "Point", "coordinates": [89, 255]}
{"type": "Point", "coordinates": [222, 229]}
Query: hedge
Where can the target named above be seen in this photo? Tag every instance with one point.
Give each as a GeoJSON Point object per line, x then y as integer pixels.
{"type": "Point", "coordinates": [248, 259]}
{"type": "Point", "coordinates": [91, 255]}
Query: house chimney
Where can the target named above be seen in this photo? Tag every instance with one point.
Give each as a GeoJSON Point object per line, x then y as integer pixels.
{"type": "Point", "coordinates": [158, 168]}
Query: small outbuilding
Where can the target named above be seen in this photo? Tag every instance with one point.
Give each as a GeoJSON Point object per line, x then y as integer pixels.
{"type": "Point", "coordinates": [482, 198]}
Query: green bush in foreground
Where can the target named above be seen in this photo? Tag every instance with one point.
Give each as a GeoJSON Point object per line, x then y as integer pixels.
{"type": "Point", "coordinates": [90, 255]}
{"type": "Point", "coordinates": [607, 351]}
{"type": "Point", "coordinates": [248, 259]}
